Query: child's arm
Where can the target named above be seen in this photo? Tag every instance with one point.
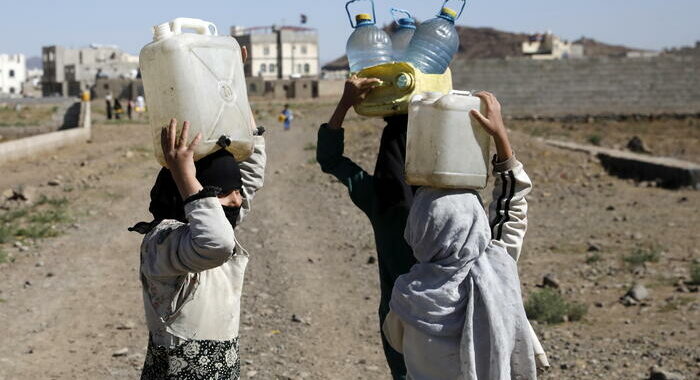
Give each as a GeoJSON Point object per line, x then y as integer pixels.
{"type": "Point", "coordinates": [508, 209]}
{"type": "Point", "coordinates": [207, 241]}
{"type": "Point", "coordinates": [331, 144]}
{"type": "Point", "coordinates": [252, 175]}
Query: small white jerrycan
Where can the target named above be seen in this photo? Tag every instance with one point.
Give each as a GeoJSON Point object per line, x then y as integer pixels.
{"type": "Point", "coordinates": [445, 147]}
{"type": "Point", "coordinates": [198, 77]}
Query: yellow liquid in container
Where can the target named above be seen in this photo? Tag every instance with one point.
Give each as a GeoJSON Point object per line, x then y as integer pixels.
{"type": "Point", "coordinates": [400, 82]}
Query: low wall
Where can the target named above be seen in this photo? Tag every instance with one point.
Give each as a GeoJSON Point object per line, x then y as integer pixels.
{"type": "Point", "coordinates": [31, 146]}
{"type": "Point", "coordinates": [664, 85]}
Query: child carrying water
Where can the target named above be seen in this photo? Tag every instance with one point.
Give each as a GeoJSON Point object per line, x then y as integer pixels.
{"type": "Point", "coordinates": [458, 314]}
{"type": "Point", "coordinates": [192, 266]}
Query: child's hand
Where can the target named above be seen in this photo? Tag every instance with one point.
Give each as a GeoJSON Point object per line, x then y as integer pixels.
{"type": "Point", "coordinates": [356, 90]}
{"type": "Point", "coordinates": [179, 157]}
{"type": "Point", "coordinates": [492, 122]}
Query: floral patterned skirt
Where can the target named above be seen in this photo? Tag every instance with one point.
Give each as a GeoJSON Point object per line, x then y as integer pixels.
{"type": "Point", "coordinates": [194, 359]}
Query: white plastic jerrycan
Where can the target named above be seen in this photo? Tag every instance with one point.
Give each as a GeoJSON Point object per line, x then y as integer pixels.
{"type": "Point", "coordinates": [198, 77]}
{"type": "Point", "coordinates": [445, 147]}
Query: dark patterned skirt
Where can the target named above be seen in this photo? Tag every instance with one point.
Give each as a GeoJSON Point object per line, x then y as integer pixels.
{"type": "Point", "coordinates": [194, 359]}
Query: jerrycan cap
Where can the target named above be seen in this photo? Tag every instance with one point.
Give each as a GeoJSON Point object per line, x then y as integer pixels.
{"type": "Point", "coordinates": [407, 23]}
{"type": "Point", "coordinates": [433, 95]}
{"type": "Point", "coordinates": [162, 31]}
{"type": "Point", "coordinates": [448, 14]}
{"type": "Point", "coordinates": [363, 19]}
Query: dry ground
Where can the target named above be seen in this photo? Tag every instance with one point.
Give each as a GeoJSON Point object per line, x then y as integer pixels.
{"type": "Point", "coordinates": [68, 303]}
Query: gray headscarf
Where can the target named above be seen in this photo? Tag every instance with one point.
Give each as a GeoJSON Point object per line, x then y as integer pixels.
{"type": "Point", "coordinates": [464, 286]}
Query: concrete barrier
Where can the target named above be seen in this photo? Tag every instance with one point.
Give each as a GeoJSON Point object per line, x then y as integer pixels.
{"type": "Point", "coordinates": [665, 171]}
{"type": "Point", "coordinates": [31, 146]}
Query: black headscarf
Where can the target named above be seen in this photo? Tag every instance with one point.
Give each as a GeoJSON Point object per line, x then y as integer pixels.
{"type": "Point", "coordinates": [391, 187]}
{"type": "Point", "coordinates": [218, 173]}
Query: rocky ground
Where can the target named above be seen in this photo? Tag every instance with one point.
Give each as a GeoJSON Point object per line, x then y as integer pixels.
{"type": "Point", "coordinates": [70, 305]}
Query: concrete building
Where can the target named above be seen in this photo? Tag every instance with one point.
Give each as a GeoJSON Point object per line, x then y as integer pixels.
{"type": "Point", "coordinates": [68, 72]}
{"type": "Point", "coordinates": [279, 52]}
{"type": "Point", "coordinates": [547, 46]}
{"type": "Point", "coordinates": [13, 73]}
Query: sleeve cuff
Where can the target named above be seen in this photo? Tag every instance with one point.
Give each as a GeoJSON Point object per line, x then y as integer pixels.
{"type": "Point", "coordinates": [504, 166]}
{"type": "Point", "coordinates": [207, 192]}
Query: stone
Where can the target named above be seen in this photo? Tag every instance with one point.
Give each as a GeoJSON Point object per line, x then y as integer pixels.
{"type": "Point", "coordinates": [129, 154]}
{"type": "Point", "coordinates": [593, 247]}
{"type": "Point", "coordinates": [658, 373]}
{"type": "Point", "coordinates": [54, 182]}
{"type": "Point", "coordinates": [637, 145]}
{"type": "Point", "coordinates": [550, 281]}
{"type": "Point", "coordinates": [121, 352]}
{"type": "Point", "coordinates": [296, 319]}
{"type": "Point", "coordinates": [638, 292]}
{"type": "Point", "coordinates": [371, 260]}
{"type": "Point", "coordinates": [128, 325]}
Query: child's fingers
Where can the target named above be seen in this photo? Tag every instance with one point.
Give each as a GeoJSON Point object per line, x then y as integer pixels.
{"type": "Point", "coordinates": [183, 136]}
{"type": "Point", "coordinates": [172, 134]}
{"type": "Point", "coordinates": [195, 142]}
{"type": "Point", "coordinates": [164, 138]}
{"type": "Point", "coordinates": [480, 118]}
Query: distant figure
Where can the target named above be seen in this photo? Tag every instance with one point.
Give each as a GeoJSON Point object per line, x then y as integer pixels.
{"type": "Point", "coordinates": [108, 105]}
{"type": "Point", "coordinates": [286, 117]}
{"type": "Point", "coordinates": [118, 110]}
{"type": "Point", "coordinates": [129, 108]}
{"type": "Point", "coordinates": [140, 104]}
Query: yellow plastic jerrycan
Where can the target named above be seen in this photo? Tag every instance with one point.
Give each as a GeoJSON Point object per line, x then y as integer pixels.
{"type": "Point", "coordinates": [400, 81]}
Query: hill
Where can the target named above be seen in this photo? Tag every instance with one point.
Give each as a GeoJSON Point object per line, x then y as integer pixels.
{"type": "Point", "coordinates": [480, 43]}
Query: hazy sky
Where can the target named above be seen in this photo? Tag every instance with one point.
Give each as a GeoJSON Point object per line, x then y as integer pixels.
{"type": "Point", "coordinates": [29, 24]}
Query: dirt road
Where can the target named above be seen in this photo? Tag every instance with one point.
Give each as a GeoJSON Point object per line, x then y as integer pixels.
{"type": "Point", "coordinates": [70, 305]}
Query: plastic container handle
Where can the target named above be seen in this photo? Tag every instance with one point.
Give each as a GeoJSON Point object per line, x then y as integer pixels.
{"type": "Point", "coordinates": [202, 27]}
{"type": "Point", "coordinates": [374, 14]}
{"type": "Point", "coordinates": [460, 93]}
{"type": "Point", "coordinates": [464, 4]}
{"type": "Point", "coordinates": [394, 11]}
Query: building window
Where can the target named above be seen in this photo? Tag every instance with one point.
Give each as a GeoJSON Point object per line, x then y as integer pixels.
{"type": "Point", "coordinates": [50, 56]}
{"type": "Point", "coordinates": [304, 49]}
{"type": "Point", "coordinates": [299, 68]}
{"type": "Point", "coordinates": [253, 87]}
{"type": "Point", "coordinates": [266, 50]}
{"type": "Point", "coordinates": [12, 73]}
{"type": "Point", "coordinates": [273, 68]}
{"type": "Point", "coordinates": [263, 68]}
{"type": "Point", "coordinates": [307, 68]}
{"type": "Point", "coordinates": [12, 90]}
{"type": "Point", "coordinates": [81, 57]}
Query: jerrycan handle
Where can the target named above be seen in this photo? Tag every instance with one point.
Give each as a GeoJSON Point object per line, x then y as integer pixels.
{"type": "Point", "coordinates": [460, 93]}
{"type": "Point", "coordinates": [395, 11]}
{"type": "Point", "coordinates": [464, 4]}
{"type": "Point", "coordinates": [202, 27]}
{"type": "Point", "coordinates": [347, 9]}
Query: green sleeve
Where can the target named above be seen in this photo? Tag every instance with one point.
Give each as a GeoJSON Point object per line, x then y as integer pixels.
{"type": "Point", "coordinates": [329, 154]}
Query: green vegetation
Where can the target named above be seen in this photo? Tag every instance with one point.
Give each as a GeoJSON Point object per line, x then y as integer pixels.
{"type": "Point", "coordinates": [26, 115]}
{"type": "Point", "coordinates": [675, 304]}
{"type": "Point", "coordinates": [595, 139]}
{"type": "Point", "coordinates": [695, 274]}
{"type": "Point", "coordinates": [594, 258]}
{"type": "Point", "coordinates": [548, 306]}
{"type": "Point", "coordinates": [40, 220]}
{"type": "Point", "coordinates": [3, 256]}
{"type": "Point", "coordinates": [643, 255]}
{"type": "Point", "coordinates": [310, 146]}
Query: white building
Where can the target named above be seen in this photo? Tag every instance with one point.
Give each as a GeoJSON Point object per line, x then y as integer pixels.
{"type": "Point", "coordinates": [13, 72]}
{"type": "Point", "coordinates": [279, 52]}
{"type": "Point", "coordinates": [548, 46]}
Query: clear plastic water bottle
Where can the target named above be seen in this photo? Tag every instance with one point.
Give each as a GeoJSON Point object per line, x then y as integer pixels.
{"type": "Point", "coordinates": [405, 28]}
{"type": "Point", "coordinates": [368, 45]}
{"type": "Point", "coordinates": [435, 43]}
